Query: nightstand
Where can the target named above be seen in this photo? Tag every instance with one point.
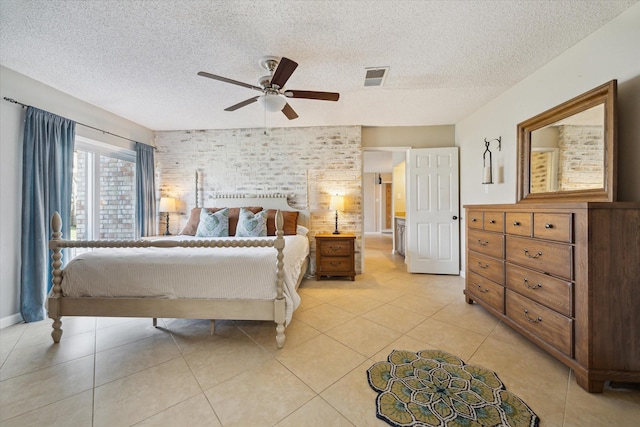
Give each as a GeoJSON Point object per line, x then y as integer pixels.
{"type": "Point", "coordinates": [335, 255]}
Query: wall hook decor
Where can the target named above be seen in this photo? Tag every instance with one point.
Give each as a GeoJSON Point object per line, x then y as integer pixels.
{"type": "Point", "coordinates": [487, 161]}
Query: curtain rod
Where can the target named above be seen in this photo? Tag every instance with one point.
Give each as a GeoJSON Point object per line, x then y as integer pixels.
{"type": "Point", "coordinates": [13, 101]}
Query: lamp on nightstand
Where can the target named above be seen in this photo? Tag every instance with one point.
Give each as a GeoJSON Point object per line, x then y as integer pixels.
{"type": "Point", "coordinates": [336, 204]}
{"type": "Point", "coordinates": [167, 205]}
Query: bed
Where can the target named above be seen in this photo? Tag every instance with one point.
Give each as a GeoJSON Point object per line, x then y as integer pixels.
{"type": "Point", "coordinates": [184, 276]}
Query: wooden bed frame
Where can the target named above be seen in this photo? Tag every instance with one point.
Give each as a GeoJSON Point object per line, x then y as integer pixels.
{"type": "Point", "coordinates": [230, 309]}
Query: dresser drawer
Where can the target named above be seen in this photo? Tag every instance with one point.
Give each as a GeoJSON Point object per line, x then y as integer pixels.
{"type": "Point", "coordinates": [552, 327]}
{"type": "Point", "coordinates": [549, 291]}
{"type": "Point", "coordinates": [474, 219]}
{"type": "Point", "coordinates": [481, 289]}
{"type": "Point", "coordinates": [335, 248]}
{"type": "Point", "coordinates": [551, 258]}
{"type": "Point", "coordinates": [494, 221]}
{"type": "Point", "coordinates": [518, 223]}
{"type": "Point", "coordinates": [491, 244]}
{"type": "Point", "coordinates": [488, 267]}
{"type": "Point", "coordinates": [553, 227]}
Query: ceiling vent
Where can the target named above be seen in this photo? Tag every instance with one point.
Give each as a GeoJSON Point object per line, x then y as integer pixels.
{"type": "Point", "coordinates": [375, 76]}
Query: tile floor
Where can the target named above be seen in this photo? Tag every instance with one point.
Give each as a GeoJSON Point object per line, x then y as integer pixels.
{"type": "Point", "coordinates": [123, 372]}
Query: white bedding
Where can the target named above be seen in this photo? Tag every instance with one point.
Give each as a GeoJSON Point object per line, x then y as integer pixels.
{"type": "Point", "coordinates": [208, 273]}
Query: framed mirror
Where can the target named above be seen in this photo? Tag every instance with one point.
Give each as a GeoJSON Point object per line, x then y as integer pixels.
{"type": "Point", "coordinates": [568, 153]}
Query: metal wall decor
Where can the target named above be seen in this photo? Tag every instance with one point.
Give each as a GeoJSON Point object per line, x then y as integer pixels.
{"type": "Point", "coordinates": [487, 162]}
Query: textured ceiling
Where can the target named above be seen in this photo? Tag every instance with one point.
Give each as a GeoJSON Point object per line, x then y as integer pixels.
{"type": "Point", "coordinates": [139, 59]}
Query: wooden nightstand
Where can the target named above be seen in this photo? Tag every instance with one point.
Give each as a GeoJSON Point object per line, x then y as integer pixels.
{"type": "Point", "coordinates": [335, 255]}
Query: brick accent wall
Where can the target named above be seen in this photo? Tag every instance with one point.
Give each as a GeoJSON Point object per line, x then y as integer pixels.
{"type": "Point", "coordinates": [117, 198]}
{"type": "Point", "coordinates": [581, 157]}
{"type": "Point", "coordinates": [308, 164]}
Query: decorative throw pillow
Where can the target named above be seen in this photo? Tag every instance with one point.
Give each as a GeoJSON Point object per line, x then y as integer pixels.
{"type": "Point", "coordinates": [289, 224]}
{"type": "Point", "coordinates": [250, 224]}
{"type": "Point", "coordinates": [213, 224]}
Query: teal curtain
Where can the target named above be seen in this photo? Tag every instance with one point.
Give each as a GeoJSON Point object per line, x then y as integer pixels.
{"type": "Point", "coordinates": [47, 174]}
{"type": "Point", "coordinates": [145, 190]}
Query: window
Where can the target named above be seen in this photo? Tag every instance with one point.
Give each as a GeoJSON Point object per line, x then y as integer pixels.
{"type": "Point", "coordinates": [104, 192]}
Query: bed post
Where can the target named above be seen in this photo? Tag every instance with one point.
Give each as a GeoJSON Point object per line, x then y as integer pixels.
{"type": "Point", "coordinates": [56, 256]}
{"type": "Point", "coordinates": [280, 301]}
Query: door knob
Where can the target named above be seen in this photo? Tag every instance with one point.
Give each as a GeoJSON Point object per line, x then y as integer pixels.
{"type": "Point", "coordinates": [455, 217]}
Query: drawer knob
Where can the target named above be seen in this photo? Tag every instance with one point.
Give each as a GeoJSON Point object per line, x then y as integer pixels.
{"type": "Point", "coordinates": [516, 223]}
{"type": "Point", "coordinates": [474, 220]}
{"type": "Point", "coordinates": [537, 286]}
{"type": "Point", "coordinates": [493, 221]}
{"type": "Point", "coordinates": [482, 266]}
{"type": "Point", "coordinates": [548, 226]}
{"type": "Point", "coordinates": [483, 242]}
{"type": "Point", "coordinates": [484, 291]}
{"type": "Point", "coordinates": [526, 314]}
{"type": "Point", "coordinates": [538, 255]}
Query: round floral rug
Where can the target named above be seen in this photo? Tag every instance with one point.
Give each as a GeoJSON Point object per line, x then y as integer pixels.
{"type": "Point", "coordinates": [433, 388]}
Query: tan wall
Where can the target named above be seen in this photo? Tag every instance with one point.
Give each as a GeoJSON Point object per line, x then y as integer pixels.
{"type": "Point", "coordinates": [408, 136]}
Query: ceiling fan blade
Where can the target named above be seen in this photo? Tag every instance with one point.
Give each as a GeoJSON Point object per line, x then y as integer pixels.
{"type": "Point", "coordinates": [309, 94]}
{"type": "Point", "coordinates": [288, 111]}
{"type": "Point", "coordinates": [242, 104]}
{"type": "Point", "coordinates": [286, 67]}
{"type": "Point", "coordinates": [226, 80]}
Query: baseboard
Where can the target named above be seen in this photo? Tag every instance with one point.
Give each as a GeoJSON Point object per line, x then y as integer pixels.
{"type": "Point", "coordinates": [462, 274]}
{"type": "Point", "coordinates": [10, 320]}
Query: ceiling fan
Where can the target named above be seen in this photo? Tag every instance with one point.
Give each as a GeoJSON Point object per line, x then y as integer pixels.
{"type": "Point", "coordinates": [274, 96]}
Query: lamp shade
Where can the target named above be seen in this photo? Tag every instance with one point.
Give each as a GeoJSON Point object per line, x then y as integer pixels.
{"type": "Point", "coordinates": [272, 102]}
{"type": "Point", "coordinates": [336, 203]}
{"type": "Point", "coordinates": [167, 204]}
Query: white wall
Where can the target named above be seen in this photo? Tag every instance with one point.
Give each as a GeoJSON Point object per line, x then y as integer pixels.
{"type": "Point", "coordinates": [609, 53]}
{"type": "Point", "coordinates": [32, 92]}
{"type": "Point", "coordinates": [309, 164]}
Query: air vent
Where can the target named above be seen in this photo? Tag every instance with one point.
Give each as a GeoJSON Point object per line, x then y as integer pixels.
{"type": "Point", "coordinates": [375, 76]}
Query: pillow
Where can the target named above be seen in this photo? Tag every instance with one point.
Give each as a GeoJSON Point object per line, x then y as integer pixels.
{"type": "Point", "coordinates": [302, 230]}
{"type": "Point", "coordinates": [213, 224]}
{"type": "Point", "coordinates": [234, 215]}
{"type": "Point", "coordinates": [251, 224]}
{"type": "Point", "coordinates": [194, 219]}
{"type": "Point", "coordinates": [289, 224]}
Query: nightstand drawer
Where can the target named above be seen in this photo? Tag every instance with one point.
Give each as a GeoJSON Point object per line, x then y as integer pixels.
{"type": "Point", "coordinates": [335, 248]}
{"type": "Point", "coordinates": [334, 265]}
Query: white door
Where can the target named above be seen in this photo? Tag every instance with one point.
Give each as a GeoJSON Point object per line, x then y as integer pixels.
{"type": "Point", "coordinates": [433, 231]}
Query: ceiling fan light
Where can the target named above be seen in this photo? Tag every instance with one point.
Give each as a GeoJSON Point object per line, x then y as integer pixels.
{"type": "Point", "coordinates": [272, 103]}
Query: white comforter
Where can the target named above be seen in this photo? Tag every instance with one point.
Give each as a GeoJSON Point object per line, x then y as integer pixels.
{"type": "Point", "coordinates": [218, 273]}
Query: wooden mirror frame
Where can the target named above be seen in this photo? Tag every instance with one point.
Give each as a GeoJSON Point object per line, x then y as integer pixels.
{"type": "Point", "coordinates": [605, 94]}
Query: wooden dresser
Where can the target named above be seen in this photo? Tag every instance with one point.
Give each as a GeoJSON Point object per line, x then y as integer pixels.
{"type": "Point", "coordinates": [335, 255]}
{"type": "Point", "coordinates": [567, 277]}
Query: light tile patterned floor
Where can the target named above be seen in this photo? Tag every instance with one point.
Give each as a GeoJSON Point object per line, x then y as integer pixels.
{"type": "Point", "coordinates": [123, 372]}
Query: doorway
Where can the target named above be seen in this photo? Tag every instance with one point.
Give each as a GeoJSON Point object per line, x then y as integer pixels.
{"type": "Point", "coordinates": [378, 191]}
